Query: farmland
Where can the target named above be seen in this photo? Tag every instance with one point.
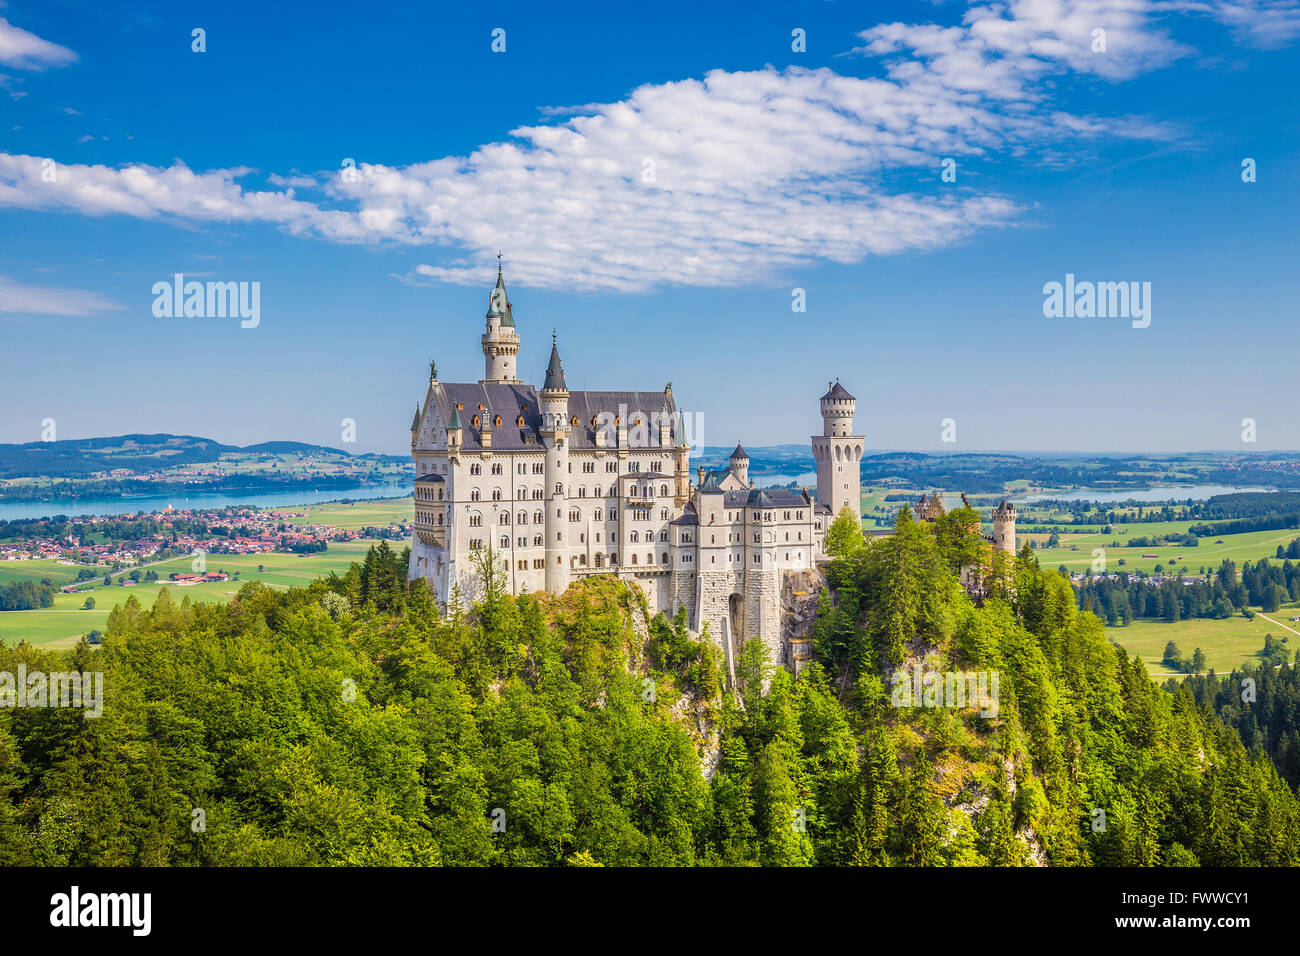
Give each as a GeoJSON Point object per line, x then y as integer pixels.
{"type": "Point", "coordinates": [65, 621]}
{"type": "Point", "coordinates": [1227, 643]}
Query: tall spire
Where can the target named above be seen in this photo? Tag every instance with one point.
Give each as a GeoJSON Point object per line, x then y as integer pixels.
{"type": "Point", "coordinates": [499, 301]}
{"type": "Point", "coordinates": [554, 370]}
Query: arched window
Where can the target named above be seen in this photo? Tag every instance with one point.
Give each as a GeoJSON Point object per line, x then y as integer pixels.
{"type": "Point", "coordinates": [523, 494]}
{"type": "Point", "coordinates": [633, 537]}
{"type": "Point", "coordinates": [598, 559]}
{"type": "Point", "coordinates": [505, 541]}
{"type": "Point", "coordinates": [496, 494]}
{"type": "Point", "coordinates": [537, 517]}
{"type": "Point", "coordinates": [596, 492]}
{"type": "Point", "coordinates": [473, 494]}
{"type": "Point", "coordinates": [663, 535]}
{"type": "Point", "coordinates": [559, 487]}
{"type": "Point", "coordinates": [663, 558]}
{"type": "Point", "coordinates": [663, 491]}
{"type": "Point", "coordinates": [599, 515]}
{"type": "Point", "coordinates": [476, 520]}
{"type": "Point", "coordinates": [537, 540]}
{"type": "Point", "coordinates": [522, 517]}
{"type": "Point", "coordinates": [505, 518]}
{"type": "Point", "coordinates": [634, 559]}
{"type": "Point", "coordinates": [649, 559]}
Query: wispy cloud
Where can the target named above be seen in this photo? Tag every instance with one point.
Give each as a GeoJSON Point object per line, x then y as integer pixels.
{"type": "Point", "coordinates": [732, 178]}
{"type": "Point", "coordinates": [17, 299]}
{"type": "Point", "coordinates": [26, 51]}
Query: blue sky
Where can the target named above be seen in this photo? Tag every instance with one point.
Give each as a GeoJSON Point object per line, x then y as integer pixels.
{"type": "Point", "coordinates": [773, 170]}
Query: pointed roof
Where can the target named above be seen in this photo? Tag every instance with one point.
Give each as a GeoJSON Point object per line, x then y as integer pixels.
{"type": "Point", "coordinates": [415, 422]}
{"type": "Point", "coordinates": [838, 391]}
{"type": "Point", "coordinates": [507, 319]}
{"type": "Point", "coordinates": [554, 370]}
{"type": "Point", "coordinates": [454, 421]}
{"type": "Point", "coordinates": [739, 453]}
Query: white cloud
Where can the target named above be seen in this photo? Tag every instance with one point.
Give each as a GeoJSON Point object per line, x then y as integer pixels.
{"type": "Point", "coordinates": [733, 178]}
{"type": "Point", "coordinates": [1270, 24]}
{"type": "Point", "coordinates": [27, 51]}
{"type": "Point", "coordinates": [19, 299]}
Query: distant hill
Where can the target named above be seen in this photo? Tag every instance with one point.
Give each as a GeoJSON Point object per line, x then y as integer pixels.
{"type": "Point", "coordinates": [82, 457]}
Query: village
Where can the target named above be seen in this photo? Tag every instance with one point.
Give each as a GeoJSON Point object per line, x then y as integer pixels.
{"type": "Point", "coordinates": [120, 543]}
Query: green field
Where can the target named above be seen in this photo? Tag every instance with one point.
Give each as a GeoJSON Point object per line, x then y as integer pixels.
{"type": "Point", "coordinates": [59, 572]}
{"type": "Point", "coordinates": [1227, 644]}
{"type": "Point", "coordinates": [1075, 551]}
{"type": "Point", "coordinates": [362, 514]}
{"type": "Point", "coordinates": [66, 622]}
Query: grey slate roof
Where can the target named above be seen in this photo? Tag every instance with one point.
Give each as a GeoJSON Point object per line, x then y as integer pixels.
{"type": "Point", "coordinates": [554, 372]}
{"type": "Point", "coordinates": [739, 453]}
{"type": "Point", "coordinates": [838, 391]}
{"type": "Point", "coordinates": [688, 516]}
{"type": "Point", "coordinates": [508, 402]}
{"type": "Point", "coordinates": [431, 478]}
{"type": "Point", "coordinates": [766, 498]}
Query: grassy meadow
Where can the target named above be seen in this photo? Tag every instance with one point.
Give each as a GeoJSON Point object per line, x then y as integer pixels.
{"type": "Point", "coordinates": [66, 622]}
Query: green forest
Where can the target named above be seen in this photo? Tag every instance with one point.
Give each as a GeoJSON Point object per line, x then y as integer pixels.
{"type": "Point", "coordinates": [348, 723]}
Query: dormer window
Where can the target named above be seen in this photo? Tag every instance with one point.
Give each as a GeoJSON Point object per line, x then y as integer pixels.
{"type": "Point", "coordinates": [520, 421]}
{"type": "Point", "coordinates": [497, 421]}
{"type": "Point", "coordinates": [460, 406]}
{"type": "Point", "coordinates": [574, 421]}
{"type": "Point", "coordinates": [477, 422]}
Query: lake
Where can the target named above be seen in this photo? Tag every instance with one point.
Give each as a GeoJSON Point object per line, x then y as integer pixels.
{"type": "Point", "coordinates": [76, 507]}
{"type": "Point", "coordinates": [1158, 494]}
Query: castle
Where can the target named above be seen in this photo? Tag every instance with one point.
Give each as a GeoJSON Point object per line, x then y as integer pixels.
{"type": "Point", "coordinates": [564, 484]}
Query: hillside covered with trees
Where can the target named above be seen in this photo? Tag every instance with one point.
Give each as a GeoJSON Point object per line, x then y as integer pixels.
{"type": "Point", "coordinates": [347, 723]}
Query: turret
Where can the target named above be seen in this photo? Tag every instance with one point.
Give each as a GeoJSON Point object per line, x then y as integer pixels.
{"type": "Point", "coordinates": [838, 407]}
{"type": "Point", "coordinates": [415, 425]}
{"type": "Point", "coordinates": [500, 341]}
{"type": "Point", "coordinates": [455, 434]}
{"type": "Point", "coordinates": [838, 452]}
{"type": "Point", "coordinates": [739, 462]}
{"type": "Point", "coordinates": [555, 433]}
{"type": "Point", "coordinates": [1004, 527]}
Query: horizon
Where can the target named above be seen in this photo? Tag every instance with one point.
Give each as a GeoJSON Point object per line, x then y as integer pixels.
{"type": "Point", "coordinates": [916, 177]}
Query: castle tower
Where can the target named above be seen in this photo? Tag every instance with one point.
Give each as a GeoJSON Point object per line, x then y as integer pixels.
{"type": "Point", "coordinates": [1004, 527]}
{"type": "Point", "coordinates": [500, 341]}
{"type": "Point", "coordinates": [740, 464]}
{"type": "Point", "coordinates": [555, 433]}
{"type": "Point", "coordinates": [838, 453]}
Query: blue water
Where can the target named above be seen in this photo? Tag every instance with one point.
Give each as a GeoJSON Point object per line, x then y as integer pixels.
{"type": "Point", "coordinates": [75, 507]}
{"type": "Point", "coordinates": [1164, 493]}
